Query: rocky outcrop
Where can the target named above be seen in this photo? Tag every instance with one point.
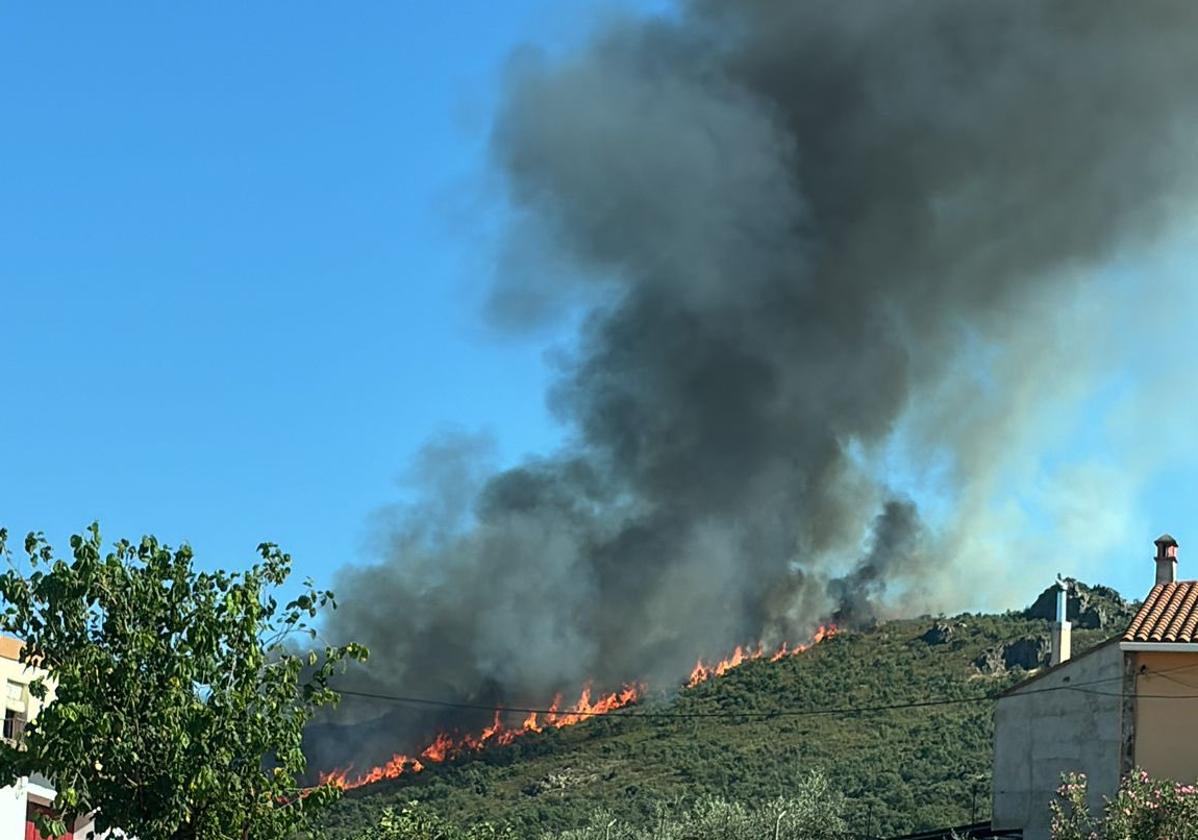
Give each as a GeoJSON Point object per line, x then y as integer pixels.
{"type": "Point", "coordinates": [1088, 607]}
{"type": "Point", "coordinates": [1028, 653]}
{"type": "Point", "coordinates": [940, 633]}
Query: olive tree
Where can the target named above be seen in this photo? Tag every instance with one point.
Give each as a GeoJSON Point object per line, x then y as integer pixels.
{"type": "Point", "coordinates": [176, 698]}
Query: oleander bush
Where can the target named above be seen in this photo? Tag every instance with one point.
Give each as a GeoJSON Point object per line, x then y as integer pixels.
{"type": "Point", "coordinates": [1143, 809]}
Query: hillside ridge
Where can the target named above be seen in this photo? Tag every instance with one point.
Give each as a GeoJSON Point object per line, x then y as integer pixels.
{"type": "Point", "coordinates": [753, 732]}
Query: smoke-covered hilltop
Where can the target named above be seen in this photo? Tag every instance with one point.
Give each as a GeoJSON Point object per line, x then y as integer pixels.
{"type": "Point", "coordinates": [795, 226]}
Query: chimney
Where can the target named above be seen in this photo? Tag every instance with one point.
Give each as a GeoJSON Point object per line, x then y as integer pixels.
{"type": "Point", "coordinates": [1062, 630]}
{"type": "Point", "coordinates": [1166, 559]}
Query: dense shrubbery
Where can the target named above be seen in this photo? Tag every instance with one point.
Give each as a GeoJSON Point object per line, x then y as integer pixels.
{"type": "Point", "coordinates": [812, 812]}
{"type": "Point", "coordinates": [414, 822]}
{"type": "Point", "coordinates": [1143, 809]}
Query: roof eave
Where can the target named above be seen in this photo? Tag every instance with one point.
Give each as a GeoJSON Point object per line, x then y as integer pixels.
{"type": "Point", "coordinates": [1015, 689]}
{"type": "Point", "coordinates": [1164, 647]}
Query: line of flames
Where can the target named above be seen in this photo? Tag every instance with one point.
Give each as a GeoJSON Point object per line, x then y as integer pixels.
{"type": "Point", "coordinates": [447, 746]}
{"type": "Point", "coordinates": [703, 671]}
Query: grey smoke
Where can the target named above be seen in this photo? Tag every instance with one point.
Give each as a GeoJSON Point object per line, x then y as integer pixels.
{"type": "Point", "coordinates": [793, 225]}
{"type": "Point", "coordinates": [895, 543]}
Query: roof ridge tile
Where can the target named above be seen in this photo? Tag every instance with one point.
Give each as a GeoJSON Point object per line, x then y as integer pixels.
{"type": "Point", "coordinates": [1133, 629]}
{"type": "Point", "coordinates": [1184, 607]}
{"type": "Point", "coordinates": [1169, 614]}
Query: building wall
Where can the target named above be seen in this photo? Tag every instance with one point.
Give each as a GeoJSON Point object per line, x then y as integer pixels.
{"type": "Point", "coordinates": [1043, 729]}
{"type": "Point", "coordinates": [16, 801]}
{"type": "Point", "coordinates": [15, 679]}
{"type": "Point", "coordinates": [1166, 735]}
{"type": "Point", "coordinates": [14, 695]}
{"type": "Point", "coordinates": [12, 812]}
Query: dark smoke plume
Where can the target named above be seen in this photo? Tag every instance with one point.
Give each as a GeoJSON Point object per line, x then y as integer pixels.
{"type": "Point", "coordinates": [894, 541]}
{"type": "Point", "coordinates": [796, 226]}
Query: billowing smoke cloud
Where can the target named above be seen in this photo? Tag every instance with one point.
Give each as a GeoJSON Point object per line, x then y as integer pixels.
{"type": "Point", "coordinates": [797, 228]}
{"type": "Point", "coordinates": [894, 541]}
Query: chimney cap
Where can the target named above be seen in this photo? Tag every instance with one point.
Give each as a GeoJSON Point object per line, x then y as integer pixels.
{"type": "Point", "coordinates": [1165, 541]}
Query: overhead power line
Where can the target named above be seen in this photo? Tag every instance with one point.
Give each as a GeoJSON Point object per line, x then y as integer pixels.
{"type": "Point", "coordinates": [777, 713]}
{"type": "Point", "coordinates": [644, 713]}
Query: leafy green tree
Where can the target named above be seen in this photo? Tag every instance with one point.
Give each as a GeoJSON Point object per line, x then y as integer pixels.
{"type": "Point", "coordinates": [176, 698]}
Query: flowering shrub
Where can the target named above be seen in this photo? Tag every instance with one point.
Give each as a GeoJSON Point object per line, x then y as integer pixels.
{"type": "Point", "coordinates": [1143, 809]}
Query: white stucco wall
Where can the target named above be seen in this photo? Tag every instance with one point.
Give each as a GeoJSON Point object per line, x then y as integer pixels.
{"type": "Point", "coordinates": [12, 812]}
{"type": "Point", "coordinates": [1039, 734]}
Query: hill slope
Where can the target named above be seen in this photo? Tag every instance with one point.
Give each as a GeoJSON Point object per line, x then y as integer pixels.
{"type": "Point", "coordinates": [902, 769]}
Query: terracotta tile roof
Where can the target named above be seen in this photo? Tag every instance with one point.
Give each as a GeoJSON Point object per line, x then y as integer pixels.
{"type": "Point", "coordinates": [1169, 614]}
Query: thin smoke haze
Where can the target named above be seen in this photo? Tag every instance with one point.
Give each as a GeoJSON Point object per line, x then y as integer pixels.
{"type": "Point", "coordinates": [798, 228]}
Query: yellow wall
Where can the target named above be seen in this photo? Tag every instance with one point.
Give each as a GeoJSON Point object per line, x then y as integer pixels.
{"type": "Point", "coordinates": [1167, 729]}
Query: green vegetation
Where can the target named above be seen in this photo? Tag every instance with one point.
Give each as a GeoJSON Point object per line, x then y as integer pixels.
{"type": "Point", "coordinates": [177, 712]}
{"type": "Point", "coordinates": [812, 812]}
{"type": "Point", "coordinates": [1143, 809]}
{"type": "Point", "coordinates": [414, 822]}
{"type": "Point", "coordinates": [899, 770]}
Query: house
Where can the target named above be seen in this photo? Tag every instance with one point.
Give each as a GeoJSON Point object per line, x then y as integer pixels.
{"type": "Point", "coordinates": [1131, 701]}
{"type": "Point", "coordinates": [19, 803]}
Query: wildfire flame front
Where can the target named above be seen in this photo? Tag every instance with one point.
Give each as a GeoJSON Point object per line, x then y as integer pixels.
{"type": "Point", "coordinates": [446, 746]}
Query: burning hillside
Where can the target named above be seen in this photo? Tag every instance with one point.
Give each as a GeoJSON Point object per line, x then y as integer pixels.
{"type": "Point", "coordinates": [448, 746]}
{"type": "Point", "coordinates": [826, 257]}
{"type": "Point", "coordinates": [703, 671]}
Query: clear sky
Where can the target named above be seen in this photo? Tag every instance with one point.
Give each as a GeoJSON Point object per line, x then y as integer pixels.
{"type": "Point", "coordinates": [240, 255]}
{"type": "Point", "coordinates": [242, 249]}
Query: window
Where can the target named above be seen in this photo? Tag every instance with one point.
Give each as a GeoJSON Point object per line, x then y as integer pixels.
{"type": "Point", "coordinates": [14, 725]}
{"type": "Point", "coordinates": [16, 691]}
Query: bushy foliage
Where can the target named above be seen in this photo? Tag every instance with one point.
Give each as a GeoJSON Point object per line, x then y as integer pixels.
{"type": "Point", "coordinates": [415, 822]}
{"type": "Point", "coordinates": [1143, 809]}
{"type": "Point", "coordinates": [813, 812]}
{"type": "Point", "coordinates": [175, 707]}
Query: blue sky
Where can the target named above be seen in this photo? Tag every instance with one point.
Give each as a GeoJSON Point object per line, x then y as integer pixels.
{"type": "Point", "coordinates": [242, 255]}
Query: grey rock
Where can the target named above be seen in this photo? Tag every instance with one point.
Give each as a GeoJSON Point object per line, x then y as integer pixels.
{"type": "Point", "coordinates": [1027, 653]}
{"type": "Point", "coordinates": [1088, 607]}
{"type": "Point", "coordinates": [939, 633]}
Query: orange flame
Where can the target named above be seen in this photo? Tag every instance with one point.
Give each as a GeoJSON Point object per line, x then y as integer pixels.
{"type": "Point", "coordinates": [447, 746]}
{"type": "Point", "coordinates": [702, 672]}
